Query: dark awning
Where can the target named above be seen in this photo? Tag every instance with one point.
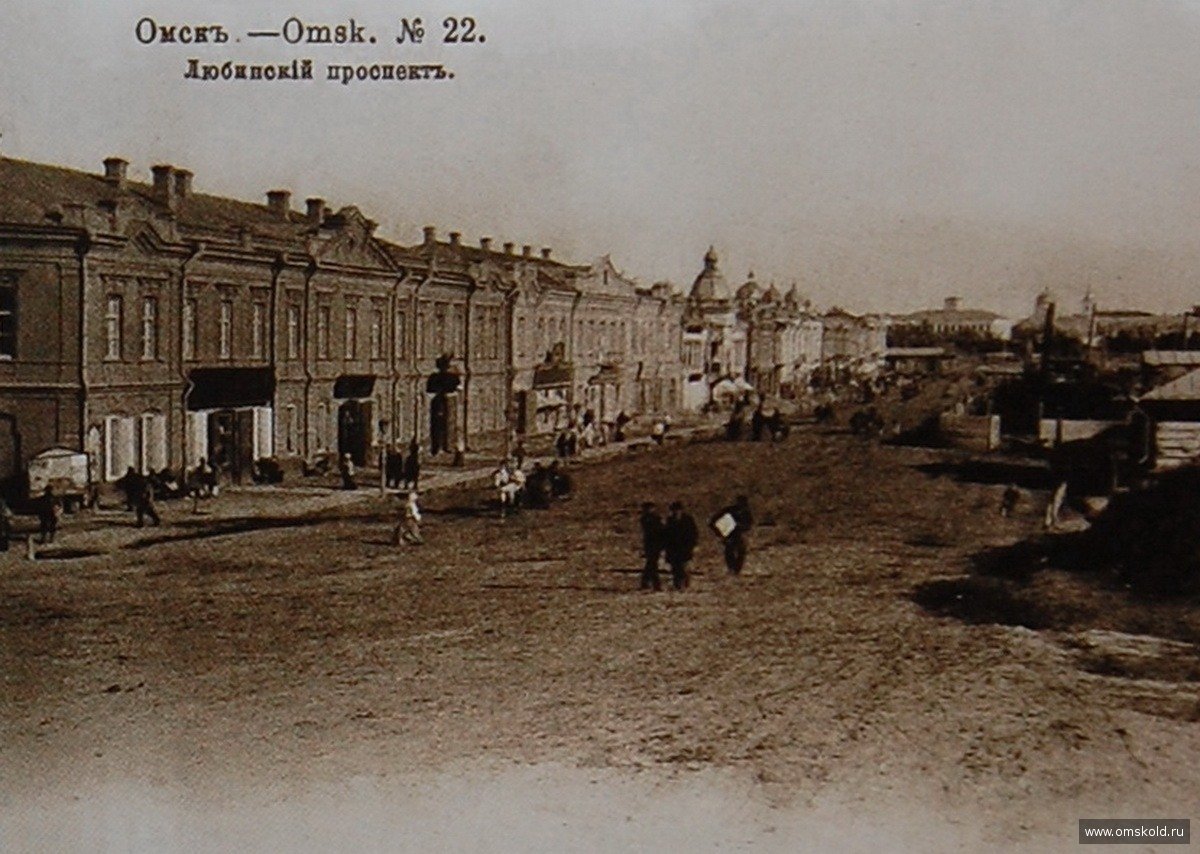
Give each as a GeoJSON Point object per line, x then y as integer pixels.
{"type": "Point", "coordinates": [550, 376]}
{"type": "Point", "coordinates": [350, 386]}
{"type": "Point", "coordinates": [607, 375]}
{"type": "Point", "coordinates": [226, 388]}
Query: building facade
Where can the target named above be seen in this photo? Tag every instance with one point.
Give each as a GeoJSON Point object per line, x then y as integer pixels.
{"type": "Point", "coordinates": [153, 326]}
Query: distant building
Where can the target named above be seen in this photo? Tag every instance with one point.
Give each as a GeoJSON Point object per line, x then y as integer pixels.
{"type": "Point", "coordinates": [852, 342]}
{"type": "Point", "coordinates": [1129, 329]}
{"type": "Point", "coordinates": [952, 321]}
{"type": "Point", "coordinates": [783, 339]}
{"type": "Point", "coordinates": [714, 334]}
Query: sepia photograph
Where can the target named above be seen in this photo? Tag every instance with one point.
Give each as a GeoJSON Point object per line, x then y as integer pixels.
{"type": "Point", "coordinates": [577, 426]}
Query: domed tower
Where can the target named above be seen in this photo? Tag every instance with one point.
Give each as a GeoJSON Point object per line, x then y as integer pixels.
{"type": "Point", "coordinates": [772, 294]}
{"type": "Point", "coordinates": [710, 286]}
{"type": "Point", "coordinates": [751, 292]}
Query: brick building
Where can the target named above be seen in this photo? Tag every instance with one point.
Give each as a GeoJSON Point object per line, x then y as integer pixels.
{"type": "Point", "coordinates": [152, 325]}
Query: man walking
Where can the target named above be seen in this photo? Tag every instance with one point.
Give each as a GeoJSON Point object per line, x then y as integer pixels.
{"type": "Point", "coordinates": [49, 514]}
{"type": "Point", "coordinates": [732, 525]}
{"type": "Point", "coordinates": [679, 543]}
{"type": "Point", "coordinates": [652, 546]}
{"type": "Point", "coordinates": [143, 503]}
{"type": "Point", "coordinates": [408, 529]}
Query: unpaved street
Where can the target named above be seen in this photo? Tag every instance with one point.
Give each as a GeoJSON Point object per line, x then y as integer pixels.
{"type": "Point", "coordinates": [286, 655]}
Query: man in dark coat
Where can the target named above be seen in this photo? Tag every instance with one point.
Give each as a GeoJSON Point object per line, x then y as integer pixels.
{"type": "Point", "coordinates": [49, 512]}
{"type": "Point", "coordinates": [679, 543]}
{"type": "Point", "coordinates": [757, 422]}
{"type": "Point", "coordinates": [412, 465]}
{"type": "Point", "coordinates": [735, 541]}
{"type": "Point", "coordinates": [652, 546]}
{"type": "Point", "coordinates": [143, 503]}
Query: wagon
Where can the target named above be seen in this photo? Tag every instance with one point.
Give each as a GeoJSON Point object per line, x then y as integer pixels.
{"type": "Point", "coordinates": [64, 471]}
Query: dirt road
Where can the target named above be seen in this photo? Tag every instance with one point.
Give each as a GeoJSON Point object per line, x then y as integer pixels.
{"type": "Point", "coordinates": [261, 665]}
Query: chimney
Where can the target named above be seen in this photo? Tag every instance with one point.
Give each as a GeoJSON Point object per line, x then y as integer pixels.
{"type": "Point", "coordinates": [952, 303]}
{"type": "Point", "coordinates": [314, 210]}
{"type": "Point", "coordinates": [508, 248]}
{"type": "Point", "coordinates": [162, 184]}
{"type": "Point", "coordinates": [546, 253]}
{"type": "Point", "coordinates": [115, 170]}
{"type": "Point", "coordinates": [183, 184]}
{"type": "Point", "coordinates": [527, 250]}
{"type": "Point", "coordinates": [485, 243]}
{"type": "Point", "coordinates": [455, 237]}
{"type": "Point", "coordinates": [280, 202]}
{"type": "Point", "coordinates": [430, 235]}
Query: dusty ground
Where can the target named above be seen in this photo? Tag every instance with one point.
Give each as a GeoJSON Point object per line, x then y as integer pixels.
{"type": "Point", "coordinates": [294, 681]}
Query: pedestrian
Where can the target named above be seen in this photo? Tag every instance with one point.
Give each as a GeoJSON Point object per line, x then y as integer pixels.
{"type": "Point", "coordinates": [659, 432]}
{"type": "Point", "coordinates": [130, 485]}
{"type": "Point", "coordinates": [679, 543]}
{"type": "Point", "coordinates": [619, 426]}
{"type": "Point", "coordinates": [143, 503]}
{"type": "Point", "coordinates": [560, 480]}
{"type": "Point", "coordinates": [412, 465]}
{"type": "Point", "coordinates": [732, 524]}
{"type": "Point", "coordinates": [346, 470]}
{"type": "Point", "coordinates": [1054, 508]}
{"type": "Point", "coordinates": [408, 529]}
{"type": "Point", "coordinates": [49, 514]}
{"type": "Point", "coordinates": [1008, 501]}
{"type": "Point", "coordinates": [652, 545]}
{"type": "Point", "coordinates": [538, 488]}
{"type": "Point", "coordinates": [509, 482]}
{"type": "Point", "coordinates": [394, 468]}
{"type": "Point", "coordinates": [5, 525]}
{"type": "Point", "coordinates": [561, 444]}
{"type": "Point", "coordinates": [757, 421]}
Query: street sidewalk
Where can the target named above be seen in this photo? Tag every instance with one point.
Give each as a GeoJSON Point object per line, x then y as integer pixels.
{"type": "Point", "coordinates": [92, 532]}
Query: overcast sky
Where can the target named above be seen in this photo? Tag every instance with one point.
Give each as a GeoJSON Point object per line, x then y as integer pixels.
{"type": "Point", "coordinates": [882, 154]}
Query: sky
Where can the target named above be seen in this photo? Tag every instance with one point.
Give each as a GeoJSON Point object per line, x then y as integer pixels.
{"type": "Point", "coordinates": [882, 155]}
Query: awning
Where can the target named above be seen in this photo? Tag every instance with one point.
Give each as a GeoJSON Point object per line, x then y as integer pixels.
{"type": "Point", "coordinates": [351, 386]}
{"type": "Point", "coordinates": [229, 388]}
{"type": "Point", "coordinates": [549, 376]}
{"type": "Point", "coordinates": [607, 375]}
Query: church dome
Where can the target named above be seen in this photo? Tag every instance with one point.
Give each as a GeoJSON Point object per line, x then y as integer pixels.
{"type": "Point", "coordinates": [751, 291]}
{"type": "Point", "coordinates": [710, 285]}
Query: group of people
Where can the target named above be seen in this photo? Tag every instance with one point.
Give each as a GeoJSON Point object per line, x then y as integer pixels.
{"type": "Point", "coordinates": [676, 537]}
{"type": "Point", "coordinates": [139, 496]}
{"type": "Point", "coordinates": [538, 489]}
{"type": "Point", "coordinates": [763, 424]}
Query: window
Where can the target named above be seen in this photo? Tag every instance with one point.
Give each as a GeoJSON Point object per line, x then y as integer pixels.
{"type": "Point", "coordinates": [377, 334]}
{"type": "Point", "coordinates": [324, 316]}
{"type": "Point", "coordinates": [521, 337]}
{"type": "Point", "coordinates": [290, 428]}
{"type": "Point", "coordinates": [439, 329]}
{"type": "Point", "coordinates": [225, 331]}
{"type": "Point", "coordinates": [401, 334]}
{"type": "Point", "coordinates": [495, 342]}
{"type": "Point", "coordinates": [152, 442]}
{"type": "Point", "coordinates": [258, 332]}
{"type": "Point", "coordinates": [8, 316]}
{"type": "Point", "coordinates": [149, 328]}
{"type": "Point", "coordinates": [112, 328]}
{"type": "Point", "coordinates": [120, 446]}
{"type": "Point", "coordinates": [293, 332]}
{"type": "Point", "coordinates": [189, 329]}
{"type": "Point", "coordinates": [351, 349]}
